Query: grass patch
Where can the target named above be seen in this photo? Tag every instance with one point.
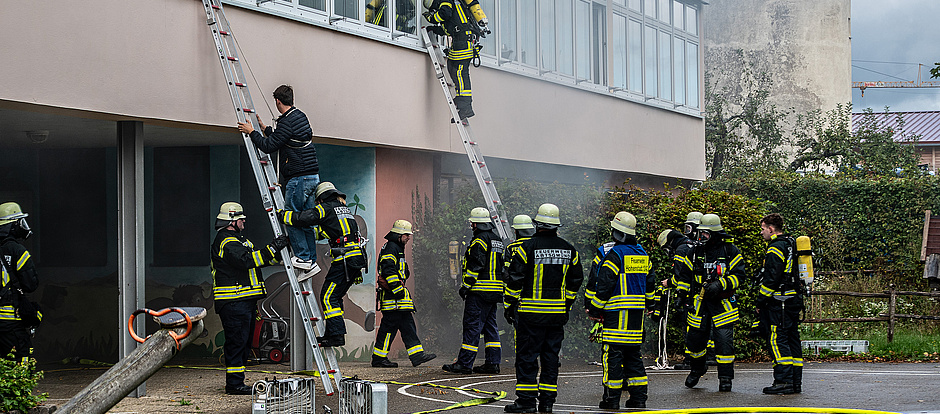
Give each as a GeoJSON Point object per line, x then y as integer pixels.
{"type": "Point", "coordinates": [913, 342]}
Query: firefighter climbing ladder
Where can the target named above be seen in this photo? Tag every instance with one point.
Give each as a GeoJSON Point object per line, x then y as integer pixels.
{"type": "Point", "coordinates": [271, 195]}
{"type": "Point", "coordinates": [478, 164]}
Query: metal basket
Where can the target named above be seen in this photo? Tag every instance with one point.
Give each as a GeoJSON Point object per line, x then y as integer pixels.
{"type": "Point", "coordinates": [363, 397]}
{"type": "Point", "coordinates": [286, 396]}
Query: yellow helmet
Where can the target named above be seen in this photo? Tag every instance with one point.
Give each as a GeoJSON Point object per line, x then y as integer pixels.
{"type": "Point", "coordinates": [10, 212]}
{"type": "Point", "coordinates": [231, 210]}
{"type": "Point", "coordinates": [694, 218]}
{"type": "Point", "coordinates": [480, 215]}
{"type": "Point", "coordinates": [663, 238]}
{"type": "Point", "coordinates": [548, 214]}
{"type": "Point", "coordinates": [521, 222]}
{"type": "Point", "coordinates": [710, 222]}
{"type": "Point", "coordinates": [624, 222]}
{"type": "Point", "coordinates": [402, 227]}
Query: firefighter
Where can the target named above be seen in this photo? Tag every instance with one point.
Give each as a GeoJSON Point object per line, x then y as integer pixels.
{"type": "Point", "coordinates": [678, 249]}
{"type": "Point", "coordinates": [710, 275]}
{"type": "Point", "coordinates": [450, 18]}
{"type": "Point", "coordinates": [395, 301]}
{"type": "Point", "coordinates": [524, 229]}
{"type": "Point", "coordinates": [17, 276]}
{"type": "Point", "coordinates": [625, 285]}
{"type": "Point", "coordinates": [691, 225]}
{"type": "Point", "coordinates": [591, 288]}
{"type": "Point", "coordinates": [482, 292]}
{"type": "Point", "coordinates": [349, 258]}
{"type": "Point", "coordinates": [404, 14]}
{"type": "Point", "coordinates": [237, 287]}
{"type": "Point", "coordinates": [544, 278]}
{"type": "Point", "coordinates": [780, 301]}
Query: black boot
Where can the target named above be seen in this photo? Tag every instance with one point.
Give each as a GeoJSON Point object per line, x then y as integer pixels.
{"type": "Point", "coordinates": [545, 407]}
{"type": "Point", "coordinates": [486, 369]}
{"type": "Point", "coordinates": [779, 388]}
{"type": "Point", "coordinates": [421, 357]}
{"type": "Point", "coordinates": [692, 380]}
{"type": "Point", "coordinates": [611, 399]}
{"type": "Point", "coordinates": [518, 408]}
{"type": "Point", "coordinates": [797, 379]}
{"type": "Point", "coordinates": [724, 384]}
{"type": "Point", "coordinates": [456, 368]}
{"type": "Point", "coordinates": [383, 363]}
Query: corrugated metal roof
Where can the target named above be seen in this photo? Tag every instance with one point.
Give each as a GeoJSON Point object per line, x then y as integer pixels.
{"type": "Point", "coordinates": [923, 123]}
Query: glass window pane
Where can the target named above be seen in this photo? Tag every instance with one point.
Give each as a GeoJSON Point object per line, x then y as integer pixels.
{"type": "Point", "coordinates": [621, 2]}
{"type": "Point", "coordinates": [375, 12]}
{"type": "Point", "coordinates": [649, 8]}
{"type": "Point", "coordinates": [678, 52]}
{"type": "Point", "coordinates": [691, 53]}
{"type": "Point", "coordinates": [620, 52]}
{"type": "Point", "coordinates": [528, 28]}
{"type": "Point", "coordinates": [665, 65]}
{"type": "Point", "coordinates": [663, 10]}
{"type": "Point", "coordinates": [346, 8]}
{"type": "Point", "coordinates": [314, 4]}
{"type": "Point", "coordinates": [489, 42]}
{"type": "Point", "coordinates": [635, 56]}
{"type": "Point", "coordinates": [583, 39]}
{"type": "Point", "coordinates": [405, 16]}
{"type": "Point", "coordinates": [635, 5]}
{"type": "Point", "coordinates": [677, 9]}
{"type": "Point", "coordinates": [547, 34]}
{"type": "Point", "coordinates": [649, 45]}
{"type": "Point", "coordinates": [691, 20]}
{"type": "Point", "coordinates": [507, 30]}
{"type": "Point", "coordinates": [564, 37]}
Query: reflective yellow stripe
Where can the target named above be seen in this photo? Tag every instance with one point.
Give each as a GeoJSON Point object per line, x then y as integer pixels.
{"type": "Point", "coordinates": [224, 242]}
{"type": "Point", "coordinates": [734, 262]}
{"type": "Point", "coordinates": [20, 263]}
{"type": "Point", "coordinates": [776, 252]}
{"type": "Point", "coordinates": [637, 381]}
{"type": "Point", "coordinates": [415, 349]}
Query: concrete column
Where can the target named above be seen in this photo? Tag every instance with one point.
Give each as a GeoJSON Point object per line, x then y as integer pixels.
{"type": "Point", "coordinates": [131, 253]}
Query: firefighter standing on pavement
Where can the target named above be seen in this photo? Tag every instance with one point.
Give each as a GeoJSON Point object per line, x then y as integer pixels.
{"type": "Point", "coordinates": [395, 301]}
{"type": "Point", "coordinates": [625, 285]}
{"type": "Point", "coordinates": [17, 276]}
{"type": "Point", "coordinates": [482, 292]}
{"type": "Point", "coordinates": [237, 286]}
{"type": "Point", "coordinates": [453, 21]}
{"type": "Point", "coordinates": [544, 278]}
{"type": "Point", "coordinates": [711, 274]}
{"type": "Point", "coordinates": [780, 301]}
{"type": "Point", "coordinates": [524, 229]}
{"type": "Point", "coordinates": [349, 259]}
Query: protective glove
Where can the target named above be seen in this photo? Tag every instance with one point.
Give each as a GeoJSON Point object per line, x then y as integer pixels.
{"type": "Point", "coordinates": [280, 242]}
{"type": "Point", "coordinates": [357, 280]}
{"type": "Point", "coordinates": [463, 292]}
{"type": "Point", "coordinates": [438, 30]}
{"type": "Point", "coordinates": [510, 314]}
{"type": "Point", "coordinates": [713, 289]}
{"type": "Point", "coordinates": [281, 214]}
{"type": "Point", "coordinates": [427, 15]}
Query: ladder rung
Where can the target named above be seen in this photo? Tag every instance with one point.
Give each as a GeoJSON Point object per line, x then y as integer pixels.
{"type": "Point", "coordinates": [331, 371]}
{"type": "Point", "coordinates": [263, 162]}
{"type": "Point", "coordinates": [248, 110]}
{"type": "Point", "coordinates": [215, 6]}
{"type": "Point", "coordinates": [272, 187]}
{"type": "Point", "coordinates": [232, 58]}
{"type": "Point", "coordinates": [314, 318]}
{"type": "Point", "coordinates": [223, 33]}
{"type": "Point", "coordinates": [241, 85]}
{"type": "Point", "coordinates": [329, 395]}
{"type": "Point", "coordinates": [481, 163]}
{"type": "Point", "coordinates": [305, 292]}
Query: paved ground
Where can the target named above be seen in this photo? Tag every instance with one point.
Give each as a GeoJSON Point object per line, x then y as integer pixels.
{"type": "Point", "coordinates": [906, 388]}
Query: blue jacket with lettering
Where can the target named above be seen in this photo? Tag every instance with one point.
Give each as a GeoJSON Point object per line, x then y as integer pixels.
{"type": "Point", "coordinates": [625, 285]}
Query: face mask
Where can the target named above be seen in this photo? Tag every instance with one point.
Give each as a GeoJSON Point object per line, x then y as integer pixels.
{"type": "Point", "coordinates": [704, 236]}
{"type": "Point", "coordinates": [21, 230]}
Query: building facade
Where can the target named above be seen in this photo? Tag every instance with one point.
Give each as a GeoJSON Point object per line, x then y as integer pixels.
{"type": "Point", "coordinates": [118, 134]}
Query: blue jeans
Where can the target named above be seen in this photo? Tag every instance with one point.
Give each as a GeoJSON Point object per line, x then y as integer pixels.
{"type": "Point", "coordinates": [301, 195]}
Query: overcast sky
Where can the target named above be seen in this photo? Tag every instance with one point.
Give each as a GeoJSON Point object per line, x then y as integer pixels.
{"type": "Point", "coordinates": [889, 39]}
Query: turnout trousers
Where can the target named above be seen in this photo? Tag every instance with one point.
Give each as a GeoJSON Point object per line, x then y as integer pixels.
{"type": "Point", "coordinates": [394, 321]}
{"type": "Point", "coordinates": [781, 324]}
{"type": "Point", "coordinates": [335, 286]}
{"type": "Point", "coordinates": [623, 368]}
{"type": "Point", "coordinates": [238, 320]}
{"type": "Point", "coordinates": [537, 346]}
{"type": "Point", "coordinates": [15, 334]}
{"type": "Point", "coordinates": [460, 74]}
{"type": "Point", "coordinates": [479, 316]}
{"type": "Point", "coordinates": [696, 341]}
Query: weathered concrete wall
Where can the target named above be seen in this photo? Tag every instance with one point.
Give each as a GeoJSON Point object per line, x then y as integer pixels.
{"type": "Point", "coordinates": [805, 45]}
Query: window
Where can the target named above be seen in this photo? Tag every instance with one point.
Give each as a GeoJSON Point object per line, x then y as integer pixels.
{"type": "Point", "coordinates": [619, 77]}
{"type": "Point", "coordinates": [635, 5]}
{"type": "Point", "coordinates": [649, 63]}
{"type": "Point", "coordinates": [635, 56]}
{"type": "Point", "coordinates": [678, 53]}
{"type": "Point", "coordinates": [314, 4]}
{"type": "Point", "coordinates": [663, 12]}
{"type": "Point", "coordinates": [599, 44]}
{"type": "Point", "coordinates": [507, 30]}
{"type": "Point", "coordinates": [405, 16]}
{"type": "Point", "coordinates": [677, 19]}
{"type": "Point", "coordinates": [564, 35]}
{"type": "Point", "coordinates": [665, 65]}
{"type": "Point", "coordinates": [691, 20]}
{"type": "Point", "coordinates": [73, 197]}
{"type": "Point", "coordinates": [489, 42]}
{"type": "Point", "coordinates": [528, 31]}
{"type": "Point", "coordinates": [691, 53]}
{"type": "Point", "coordinates": [547, 34]}
{"type": "Point", "coordinates": [583, 39]}
{"type": "Point", "coordinates": [180, 209]}
{"type": "Point", "coordinates": [346, 8]}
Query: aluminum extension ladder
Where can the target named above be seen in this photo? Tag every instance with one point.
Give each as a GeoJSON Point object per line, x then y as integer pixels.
{"type": "Point", "coordinates": [478, 164]}
{"type": "Point", "coordinates": [272, 196]}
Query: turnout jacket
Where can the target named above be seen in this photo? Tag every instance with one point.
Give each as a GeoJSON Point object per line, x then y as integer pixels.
{"type": "Point", "coordinates": [394, 269]}
{"type": "Point", "coordinates": [293, 137]}
{"type": "Point", "coordinates": [235, 263]}
{"type": "Point", "coordinates": [337, 225]}
{"type": "Point", "coordinates": [483, 265]}
{"type": "Point", "coordinates": [591, 289]}
{"type": "Point", "coordinates": [777, 275]}
{"type": "Point", "coordinates": [720, 262]}
{"type": "Point", "coordinates": [625, 285]}
{"type": "Point", "coordinates": [453, 18]}
{"type": "Point", "coordinates": [544, 278]}
{"type": "Point", "coordinates": [18, 273]}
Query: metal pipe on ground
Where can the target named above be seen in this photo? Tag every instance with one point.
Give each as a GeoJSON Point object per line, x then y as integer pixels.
{"type": "Point", "coordinates": [112, 386]}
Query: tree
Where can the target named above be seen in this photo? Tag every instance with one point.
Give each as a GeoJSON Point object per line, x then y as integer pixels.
{"type": "Point", "coordinates": [935, 72]}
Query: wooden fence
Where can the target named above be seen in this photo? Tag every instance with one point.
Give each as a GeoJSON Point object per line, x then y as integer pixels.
{"type": "Point", "coordinates": [891, 317]}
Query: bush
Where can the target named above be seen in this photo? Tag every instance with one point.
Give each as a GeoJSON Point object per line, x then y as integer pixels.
{"type": "Point", "coordinates": [17, 381]}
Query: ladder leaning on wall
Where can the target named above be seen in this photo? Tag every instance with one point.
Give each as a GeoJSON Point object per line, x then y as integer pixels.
{"type": "Point", "coordinates": [272, 197]}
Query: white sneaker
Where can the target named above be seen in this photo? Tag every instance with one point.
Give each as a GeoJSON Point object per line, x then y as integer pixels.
{"type": "Point", "coordinates": [304, 275]}
{"type": "Point", "coordinates": [301, 264]}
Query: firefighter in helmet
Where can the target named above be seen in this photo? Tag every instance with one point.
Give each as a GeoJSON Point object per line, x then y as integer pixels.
{"type": "Point", "coordinates": [710, 276]}
{"type": "Point", "coordinates": [450, 18]}
{"type": "Point", "coordinates": [237, 287]}
{"type": "Point", "coordinates": [692, 220]}
{"type": "Point", "coordinates": [482, 292]}
{"type": "Point", "coordinates": [544, 278]}
{"type": "Point", "coordinates": [17, 276]}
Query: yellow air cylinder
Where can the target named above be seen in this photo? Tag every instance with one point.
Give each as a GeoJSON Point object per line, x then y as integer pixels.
{"type": "Point", "coordinates": [804, 253]}
{"type": "Point", "coordinates": [477, 12]}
